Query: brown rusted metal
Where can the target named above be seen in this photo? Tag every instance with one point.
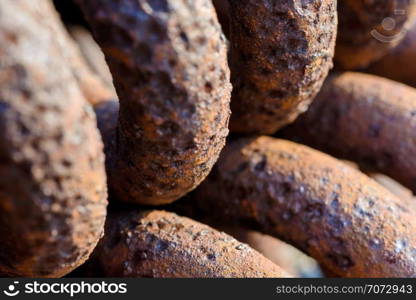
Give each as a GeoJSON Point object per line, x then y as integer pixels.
{"type": "Point", "coordinates": [399, 64]}
{"type": "Point", "coordinates": [369, 29]}
{"type": "Point", "coordinates": [169, 64]}
{"type": "Point", "coordinates": [364, 118]}
{"type": "Point", "coordinates": [351, 225]}
{"type": "Point", "coordinates": [280, 54]}
{"type": "Point", "coordinates": [160, 244]}
{"type": "Point", "coordinates": [53, 185]}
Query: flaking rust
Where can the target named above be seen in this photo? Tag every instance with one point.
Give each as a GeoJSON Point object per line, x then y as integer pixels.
{"type": "Point", "coordinates": [169, 64]}
{"type": "Point", "coordinates": [280, 54]}
{"type": "Point", "coordinates": [161, 244]}
{"type": "Point", "coordinates": [53, 192]}
{"type": "Point", "coordinates": [352, 226]}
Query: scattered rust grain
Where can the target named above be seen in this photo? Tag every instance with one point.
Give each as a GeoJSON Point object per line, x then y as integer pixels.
{"type": "Point", "coordinates": [169, 64]}
{"type": "Point", "coordinates": [53, 186]}
{"type": "Point", "coordinates": [280, 54]}
{"type": "Point", "coordinates": [160, 244]}
{"type": "Point", "coordinates": [325, 208]}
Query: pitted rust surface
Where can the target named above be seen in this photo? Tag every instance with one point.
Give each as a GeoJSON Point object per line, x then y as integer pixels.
{"type": "Point", "coordinates": [352, 226]}
{"type": "Point", "coordinates": [369, 29]}
{"type": "Point", "coordinates": [160, 244]}
{"type": "Point", "coordinates": [364, 118]}
{"type": "Point", "coordinates": [281, 53]}
{"type": "Point", "coordinates": [52, 188]}
{"type": "Point", "coordinates": [169, 64]}
{"type": "Point", "coordinates": [399, 64]}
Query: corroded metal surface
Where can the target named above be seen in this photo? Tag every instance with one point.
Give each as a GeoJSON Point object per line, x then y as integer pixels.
{"type": "Point", "coordinates": [352, 226]}
{"type": "Point", "coordinates": [160, 244]}
{"type": "Point", "coordinates": [53, 185]}
{"type": "Point", "coordinates": [169, 64]}
{"type": "Point", "coordinates": [280, 54]}
{"type": "Point", "coordinates": [368, 29]}
{"type": "Point", "coordinates": [364, 118]}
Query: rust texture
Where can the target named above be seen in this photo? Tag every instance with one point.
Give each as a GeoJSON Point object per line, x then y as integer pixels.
{"type": "Point", "coordinates": [399, 64]}
{"type": "Point", "coordinates": [160, 244]}
{"type": "Point", "coordinates": [53, 191]}
{"type": "Point", "coordinates": [351, 225]}
{"type": "Point", "coordinates": [281, 52]}
{"type": "Point", "coordinates": [369, 29]}
{"type": "Point", "coordinates": [169, 64]}
{"type": "Point", "coordinates": [364, 118]}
